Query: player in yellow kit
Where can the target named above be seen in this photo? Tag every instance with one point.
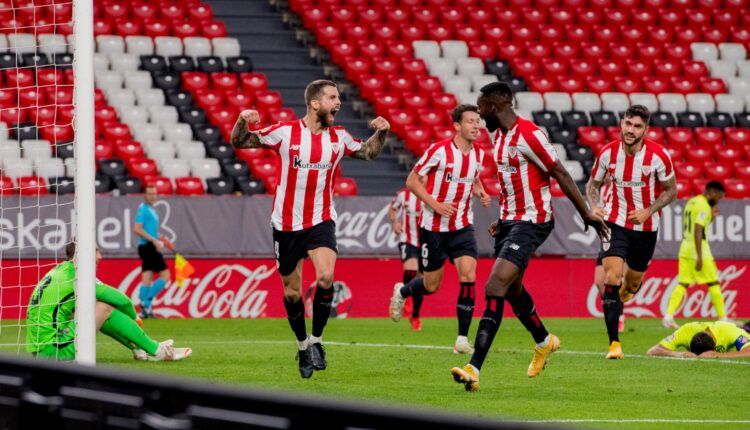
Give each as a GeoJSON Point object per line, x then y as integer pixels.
{"type": "Point", "coordinates": [696, 264]}
{"type": "Point", "coordinates": [705, 340]}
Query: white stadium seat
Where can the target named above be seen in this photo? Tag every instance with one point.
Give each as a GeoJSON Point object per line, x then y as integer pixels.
{"type": "Point", "coordinates": [206, 168]}
{"type": "Point", "coordinates": [575, 169]}
{"type": "Point", "coordinates": [700, 102]}
{"type": "Point", "coordinates": [9, 149]}
{"type": "Point", "coordinates": [456, 49]}
{"type": "Point", "coordinates": [646, 99]}
{"type": "Point", "coordinates": [226, 47]}
{"type": "Point", "coordinates": [672, 102]}
{"type": "Point", "coordinates": [140, 79]}
{"type": "Point", "coordinates": [467, 98]}
{"type": "Point", "coordinates": [22, 43]}
{"type": "Point", "coordinates": [168, 46]}
{"type": "Point", "coordinates": [125, 62]}
{"type": "Point", "coordinates": [147, 132]}
{"type": "Point", "coordinates": [704, 51]}
{"type": "Point", "coordinates": [616, 102]}
{"type": "Point", "coordinates": [163, 114]}
{"type": "Point", "coordinates": [441, 66]}
{"type": "Point", "coordinates": [739, 86]}
{"type": "Point", "coordinates": [34, 149]}
{"type": "Point", "coordinates": [48, 44]}
{"type": "Point", "coordinates": [477, 82]}
{"type": "Point", "coordinates": [110, 44]}
{"type": "Point", "coordinates": [161, 152]}
{"type": "Point", "coordinates": [457, 85]}
{"type": "Point", "coordinates": [470, 67]}
{"type": "Point", "coordinates": [177, 133]}
{"type": "Point", "coordinates": [174, 168]}
{"type": "Point", "coordinates": [529, 101]}
{"type": "Point", "coordinates": [106, 80]}
{"type": "Point", "coordinates": [134, 116]}
{"type": "Point", "coordinates": [17, 167]}
{"type": "Point", "coordinates": [101, 62]}
{"type": "Point", "coordinates": [49, 167]}
{"type": "Point", "coordinates": [425, 49]}
{"type": "Point", "coordinates": [587, 102]}
{"type": "Point", "coordinates": [557, 102]}
{"type": "Point", "coordinates": [192, 150]}
{"type": "Point", "coordinates": [147, 97]}
{"type": "Point", "coordinates": [729, 103]}
{"type": "Point", "coordinates": [560, 149]}
{"type": "Point", "coordinates": [139, 45]}
{"type": "Point", "coordinates": [732, 51]}
{"type": "Point", "coordinates": [70, 167]}
{"type": "Point", "coordinates": [743, 69]}
{"type": "Point", "coordinates": [723, 69]}
{"type": "Point", "coordinates": [197, 46]}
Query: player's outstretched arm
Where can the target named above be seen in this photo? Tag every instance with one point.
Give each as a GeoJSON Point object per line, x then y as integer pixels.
{"type": "Point", "coordinates": [242, 138]}
{"type": "Point", "coordinates": [734, 354]}
{"type": "Point", "coordinates": [374, 145]}
{"type": "Point", "coordinates": [659, 350]}
{"type": "Point", "coordinates": [560, 173]}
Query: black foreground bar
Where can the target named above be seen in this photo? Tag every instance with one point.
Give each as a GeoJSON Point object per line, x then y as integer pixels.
{"type": "Point", "coordinates": [39, 394]}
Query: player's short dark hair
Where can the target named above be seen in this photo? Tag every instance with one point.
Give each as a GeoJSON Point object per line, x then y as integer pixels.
{"type": "Point", "coordinates": [314, 89]}
{"type": "Point", "coordinates": [149, 186]}
{"type": "Point", "coordinates": [702, 342]}
{"type": "Point", "coordinates": [499, 88]}
{"type": "Point", "coordinates": [458, 112]}
{"type": "Point", "coordinates": [70, 250]}
{"type": "Point", "coordinates": [716, 186]}
{"type": "Point", "coordinates": [639, 111]}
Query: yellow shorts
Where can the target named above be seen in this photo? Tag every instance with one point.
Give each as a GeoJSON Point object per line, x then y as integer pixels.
{"type": "Point", "coordinates": [687, 274]}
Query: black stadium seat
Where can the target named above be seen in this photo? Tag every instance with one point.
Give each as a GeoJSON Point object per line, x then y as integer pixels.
{"type": "Point", "coordinates": [219, 150]}
{"type": "Point", "coordinates": [689, 119]}
{"type": "Point", "coordinates": [64, 150]}
{"type": "Point", "coordinates": [61, 185]}
{"type": "Point", "coordinates": [181, 63]}
{"type": "Point", "coordinates": [234, 167]}
{"type": "Point", "coordinates": [719, 119]}
{"type": "Point", "coordinates": [220, 186]}
{"type": "Point", "coordinates": [250, 186]}
{"type": "Point", "coordinates": [574, 119]}
{"type": "Point", "coordinates": [207, 133]}
{"type": "Point", "coordinates": [742, 119]}
{"type": "Point", "coordinates": [153, 63]}
{"type": "Point", "coordinates": [112, 167]}
{"type": "Point", "coordinates": [604, 119]}
{"type": "Point", "coordinates": [167, 81]}
{"type": "Point", "coordinates": [240, 64]}
{"type": "Point", "coordinates": [662, 119]}
{"type": "Point", "coordinates": [545, 118]}
{"type": "Point", "coordinates": [62, 60]}
{"type": "Point", "coordinates": [128, 185]}
{"type": "Point", "coordinates": [192, 115]}
{"type": "Point", "coordinates": [179, 99]}
{"type": "Point", "coordinates": [499, 68]}
{"type": "Point", "coordinates": [102, 183]}
{"type": "Point", "coordinates": [210, 64]}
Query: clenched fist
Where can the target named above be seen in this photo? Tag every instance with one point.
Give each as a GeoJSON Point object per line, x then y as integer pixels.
{"type": "Point", "coordinates": [250, 116]}
{"type": "Point", "coordinates": [380, 124]}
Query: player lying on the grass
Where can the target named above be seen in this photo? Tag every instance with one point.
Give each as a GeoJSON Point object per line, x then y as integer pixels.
{"type": "Point", "coordinates": [705, 340]}
{"type": "Point", "coordinates": [50, 320]}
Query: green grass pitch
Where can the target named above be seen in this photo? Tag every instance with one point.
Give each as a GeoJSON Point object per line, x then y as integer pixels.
{"type": "Point", "coordinates": [378, 360]}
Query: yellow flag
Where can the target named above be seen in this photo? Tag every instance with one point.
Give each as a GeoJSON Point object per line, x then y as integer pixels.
{"type": "Point", "coordinates": [182, 270]}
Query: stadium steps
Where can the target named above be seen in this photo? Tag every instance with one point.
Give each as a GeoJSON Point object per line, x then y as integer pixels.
{"type": "Point", "coordinates": [289, 66]}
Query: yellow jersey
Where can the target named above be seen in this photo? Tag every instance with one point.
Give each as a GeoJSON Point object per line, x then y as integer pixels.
{"type": "Point", "coordinates": [729, 337]}
{"type": "Point", "coordinates": [697, 212]}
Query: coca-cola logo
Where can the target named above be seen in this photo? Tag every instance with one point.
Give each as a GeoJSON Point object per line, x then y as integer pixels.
{"type": "Point", "coordinates": [226, 291]}
{"type": "Point", "coordinates": [365, 229]}
{"type": "Point", "coordinates": [340, 305]}
{"type": "Point", "coordinates": [653, 297]}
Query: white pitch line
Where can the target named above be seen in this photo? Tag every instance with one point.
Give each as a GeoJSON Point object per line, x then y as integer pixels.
{"type": "Point", "coordinates": [437, 347]}
{"type": "Point", "coordinates": [635, 420]}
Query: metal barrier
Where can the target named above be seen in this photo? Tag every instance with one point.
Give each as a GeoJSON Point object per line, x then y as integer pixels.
{"type": "Point", "coordinates": [36, 394]}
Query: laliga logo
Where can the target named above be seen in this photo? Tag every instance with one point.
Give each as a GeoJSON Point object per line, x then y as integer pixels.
{"type": "Point", "coordinates": [656, 290]}
{"type": "Point", "coordinates": [215, 295]}
{"type": "Point", "coordinates": [169, 233]}
{"type": "Point", "coordinates": [587, 237]}
{"type": "Point", "coordinates": [372, 228]}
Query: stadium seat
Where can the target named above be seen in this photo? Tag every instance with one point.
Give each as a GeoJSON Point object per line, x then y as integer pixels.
{"type": "Point", "coordinates": [679, 136]}
{"type": "Point", "coordinates": [698, 154]}
{"type": "Point", "coordinates": [690, 119]}
{"type": "Point", "coordinates": [168, 46]}
{"type": "Point", "coordinates": [708, 136]}
{"type": "Point", "coordinates": [737, 188]}
{"type": "Point", "coordinates": [670, 102]}
{"type": "Point", "coordinates": [163, 185]}
{"type": "Point", "coordinates": [701, 103]}
{"type": "Point", "coordinates": [688, 170]}
{"type": "Point", "coordinates": [174, 168]}
{"type": "Point", "coordinates": [31, 185]}
{"type": "Point", "coordinates": [250, 186]}
{"type": "Point", "coordinates": [729, 103]}
{"type": "Point", "coordinates": [557, 101]}
{"type": "Point", "coordinates": [604, 119]}
{"type": "Point", "coordinates": [645, 99]}
{"type": "Point", "coordinates": [345, 187]}
{"type": "Point", "coordinates": [737, 136]}
{"type": "Point", "coordinates": [220, 186]}
{"type": "Point", "coordinates": [719, 171]}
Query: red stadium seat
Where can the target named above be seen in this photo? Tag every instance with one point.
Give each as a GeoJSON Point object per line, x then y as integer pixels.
{"type": "Point", "coordinates": [401, 84]}
{"type": "Point", "coordinates": [415, 101]}
{"type": "Point", "coordinates": [103, 149]}
{"type": "Point", "coordinates": [582, 68]}
{"type": "Point", "coordinates": [31, 185]}
{"type": "Point", "coordinates": [699, 154]}
{"type": "Point", "coordinates": [189, 186]}
{"type": "Point", "coordinates": [263, 168]}
{"type": "Point", "coordinates": [413, 67]}
{"type": "Point", "coordinates": [442, 133]}
{"type": "Point", "coordinates": [57, 133]}
{"type": "Point", "coordinates": [440, 32]}
{"type": "Point", "coordinates": [578, 33]}
{"type": "Point", "coordinates": [356, 32]}
{"type": "Point", "coordinates": [223, 115]}
{"type": "Point", "coordinates": [598, 84]}
{"type": "Point", "coordinates": [207, 99]}
{"type": "Point", "coordinates": [619, 52]}
{"type": "Point", "coordinates": [714, 34]}
{"type": "Point", "coordinates": [468, 34]}
{"type": "Point", "coordinates": [541, 84]}
{"type": "Point", "coordinates": [115, 10]}
{"type": "Point", "coordinates": [712, 86]}
{"type": "Point", "coordinates": [728, 153]}
{"type": "Point", "coordinates": [683, 85]}
{"type": "Point", "coordinates": [638, 69]}
{"type": "Point", "coordinates": [44, 115]}
{"type": "Point", "coordinates": [571, 84]}
{"type": "Point", "coordinates": [142, 168]}
{"type": "Point", "coordinates": [526, 67]}
{"type": "Point", "coordinates": [511, 51]}
{"type": "Point", "coordinates": [194, 81]}
{"type": "Point", "coordinates": [591, 136]}
{"type": "Point", "coordinates": [687, 35]}
{"type": "Point", "coordinates": [656, 134]}
{"type": "Point", "coordinates": [535, 16]}
{"type": "Point", "coordinates": [370, 85]}
{"type": "Point", "coordinates": [411, 32]}
{"type": "Point", "coordinates": [6, 186]}
{"type": "Point", "coordinates": [266, 100]}
{"type": "Point", "coordinates": [369, 14]}
{"type": "Point", "coordinates": [201, 12]}
{"type": "Point", "coordinates": [385, 66]}
{"type": "Point", "coordinates": [666, 69]}
{"type": "Point", "coordinates": [684, 189]}
{"type": "Point", "coordinates": [553, 67]}
{"type": "Point", "coordinates": [719, 171]}
{"type": "Point", "coordinates": [671, 17]}
{"type": "Point", "coordinates": [144, 11]}
{"type": "Point", "coordinates": [429, 85]}
{"type": "Point", "coordinates": [656, 85]}
{"type": "Point", "coordinates": [252, 82]}
{"type": "Point", "coordinates": [695, 69]}
{"type": "Point", "coordinates": [432, 117]}
{"type": "Point", "coordinates": [156, 28]}
{"type": "Point", "coordinates": [128, 149]}
{"type": "Point", "coordinates": [444, 101]}
{"type": "Point", "coordinates": [424, 15]}
{"type": "Point", "coordinates": [737, 188]}
{"type": "Point", "coordinates": [549, 34]}
{"type": "Point", "coordinates": [172, 11]}
{"type": "Point", "coordinates": [224, 81]}
{"type": "Point", "coordinates": [495, 33]}
{"type": "Point", "coordinates": [688, 170]}
{"type": "Point", "coordinates": [594, 51]}
{"type": "Point", "coordinates": [128, 27]}
{"type": "Point", "coordinates": [679, 136]}
{"type": "Point", "coordinates": [13, 115]}
{"type": "Point", "coordinates": [677, 52]}
{"type": "Point", "coordinates": [709, 136]}
{"type": "Point", "coordinates": [251, 154]}
{"type": "Point", "coordinates": [737, 136]}
{"type": "Point", "coordinates": [676, 153]}
{"type": "Point", "coordinates": [385, 32]}
{"type": "Point", "coordinates": [60, 94]}
{"type": "Point", "coordinates": [345, 187]}
{"type": "Point", "coordinates": [30, 97]}
{"type": "Point", "coordinates": [416, 137]}
{"type": "Point", "coordinates": [117, 132]}
{"type": "Point", "coordinates": [341, 50]}
{"type": "Point", "coordinates": [19, 78]}
{"type": "Point", "coordinates": [606, 33]}
{"type": "Point", "coordinates": [742, 170]}
{"type": "Point", "coordinates": [49, 76]}
{"type": "Point", "coordinates": [644, 18]}
{"type": "Point", "coordinates": [399, 50]}
{"type": "Point", "coordinates": [624, 84]}
{"type": "Point", "coordinates": [482, 49]}
{"type": "Point", "coordinates": [400, 119]}
{"type": "Point", "coordinates": [8, 98]}
{"type": "Point", "coordinates": [240, 99]}
{"type": "Point", "coordinates": [650, 52]}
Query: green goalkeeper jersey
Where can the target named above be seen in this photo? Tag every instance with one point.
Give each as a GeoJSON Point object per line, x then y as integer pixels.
{"type": "Point", "coordinates": [50, 319]}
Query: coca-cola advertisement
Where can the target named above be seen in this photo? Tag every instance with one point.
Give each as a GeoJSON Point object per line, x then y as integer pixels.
{"type": "Point", "coordinates": [245, 288]}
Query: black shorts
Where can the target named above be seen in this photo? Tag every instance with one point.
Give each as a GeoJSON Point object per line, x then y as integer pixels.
{"type": "Point", "coordinates": [635, 247]}
{"type": "Point", "coordinates": [515, 241]}
{"type": "Point", "coordinates": [151, 259]}
{"type": "Point", "coordinates": [407, 251]}
{"type": "Point", "coordinates": [436, 247]}
{"type": "Point", "coordinates": [291, 246]}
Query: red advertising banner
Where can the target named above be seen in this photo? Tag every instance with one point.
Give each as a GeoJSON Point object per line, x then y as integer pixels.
{"type": "Point", "coordinates": [242, 288]}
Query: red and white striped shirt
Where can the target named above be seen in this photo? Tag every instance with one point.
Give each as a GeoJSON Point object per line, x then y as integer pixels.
{"type": "Point", "coordinates": [304, 196]}
{"type": "Point", "coordinates": [524, 158]}
{"type": "Point", "coordinates": [408, 209]}
{"type": "Point", "coordinates": [450, 179]}
{"type": "Point", "coordinates": [636, 180]}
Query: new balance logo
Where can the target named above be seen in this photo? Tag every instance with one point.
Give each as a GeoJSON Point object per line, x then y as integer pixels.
{"type": "Point", "coordinates": [298, 164]}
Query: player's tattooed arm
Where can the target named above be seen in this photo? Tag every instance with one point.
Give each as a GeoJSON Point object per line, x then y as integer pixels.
{"type": "Point", "coordinates": [593, 192]}
{"type": "Point", "coordinates": [242, 138]}
{"type": "Point", "coordinates": [374, 145]}
{"type": "Point", "coordinates": [667, 196]}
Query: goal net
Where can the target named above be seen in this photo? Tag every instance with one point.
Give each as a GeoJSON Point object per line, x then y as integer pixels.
{"type": "Point", "coordinates": [46, 136]}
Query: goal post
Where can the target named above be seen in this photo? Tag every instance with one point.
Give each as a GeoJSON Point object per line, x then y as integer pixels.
{"type": "Point", "coordinates": [85, 204]}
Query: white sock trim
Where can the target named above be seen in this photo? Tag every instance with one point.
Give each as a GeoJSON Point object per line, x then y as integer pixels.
{"type": "Point", "coordinates": [314, 339]}
{"type": "Point", "coordinates": [543, 343]}
{"type": "Point", "coordinates": [462, 338]}
{"type": "Point", "coordinates": [303, 345]}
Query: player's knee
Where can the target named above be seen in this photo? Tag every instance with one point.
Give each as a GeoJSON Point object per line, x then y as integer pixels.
{"type": "Point", "coordinates": [292, 295]}
{"type": "Point", "coordinates": [496, 286]}
{"type": "Point", "coordinates": [324, 278]}
{"type": "Point", "coordinates": [613, 277]}
{"type": "Point", "coordinates": [467, 278]}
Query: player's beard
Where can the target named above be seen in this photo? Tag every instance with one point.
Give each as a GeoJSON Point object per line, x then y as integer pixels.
{"type": "Point", "coordinates": [636, 141]}
{"type": "Point", "coordinates": [491, 122]}
{"type": "Point", "coordinates": [323, 118]}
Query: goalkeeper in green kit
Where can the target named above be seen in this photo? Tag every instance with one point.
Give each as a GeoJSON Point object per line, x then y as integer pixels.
{"type": "Point", "coordinates": [50, 318]}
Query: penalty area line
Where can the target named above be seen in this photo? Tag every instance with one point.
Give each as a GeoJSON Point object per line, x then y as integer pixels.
{"type": "Point", "coordinates": [447, 348]}
{"type": "Point", "coordinates": [635, 420]}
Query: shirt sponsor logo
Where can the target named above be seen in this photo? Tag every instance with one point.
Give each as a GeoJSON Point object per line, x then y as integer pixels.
{"type": "Point", "coordinates": [630, 184]}
{"type": "Point", "coordinates": [450, 178]}
{"type": "Point", "coordinates": [505, 168]}
{"type": "Point", "coordinates": [294, 147]}
{"type": "Point", "coordinates": [298, 164]}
